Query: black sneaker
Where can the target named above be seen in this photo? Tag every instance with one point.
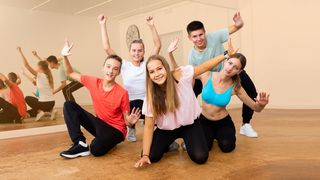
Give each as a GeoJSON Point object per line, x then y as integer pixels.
{"type": "Point", "coordinates": [77, 150]}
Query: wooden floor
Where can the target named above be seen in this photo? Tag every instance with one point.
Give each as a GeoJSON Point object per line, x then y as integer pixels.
{"type": "Point", "coordinates": [288, 147]}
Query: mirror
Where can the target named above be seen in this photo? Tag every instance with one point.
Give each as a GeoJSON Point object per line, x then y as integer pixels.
{"type": "Point", "coordinates": [42, 26]}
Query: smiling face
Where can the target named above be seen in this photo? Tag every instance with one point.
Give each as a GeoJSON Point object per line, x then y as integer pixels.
{"type": "Point", "coordinates": [198, 38]}
{"type": "Point", "coordinates": [136, 52]}
{"type": "Point", "coordinates": [111, 69]}
{"type": "Point", "coordinates": [232, 67]}
{"type": "Point", "coordinates": [157, 72]}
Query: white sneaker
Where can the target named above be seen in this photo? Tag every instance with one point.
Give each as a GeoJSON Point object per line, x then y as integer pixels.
{"type": "Point", "coordinates": [142, 122]}
{"type": "Point", "coordinates": [54, 114]}
{"type": "Point", "coordinates": [131, 135]}
{"type": "Point", "coordinates": [183, 145]}
{"type": "Point", "coordinates": [39, 115]}
{"type": "Point", "coordinates": [173, 146]}
{"type": "Point", "coordinates": [248, 131]}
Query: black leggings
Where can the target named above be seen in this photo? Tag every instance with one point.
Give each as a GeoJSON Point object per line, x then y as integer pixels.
{"type": "Point", "coordinates": [9, 113]}
{"type": "Point", "coordinates": [137, 104]}
{"type": "Point", "coordinates": [69, 89]}
{"type": "Point", "coordinates": [106, 136]}
{"type": "Point", "coordinates": [222, 130]}
{"type": "Point", "coordinates": [36, 105]}
{"type": "Point", "coordinates": [247, 85]}
{"type": "Point", "coordinates": [193, 137]}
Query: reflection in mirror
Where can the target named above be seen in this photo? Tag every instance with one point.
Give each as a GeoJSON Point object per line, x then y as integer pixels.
{"type": "Point", "coordinates": [39, 28]}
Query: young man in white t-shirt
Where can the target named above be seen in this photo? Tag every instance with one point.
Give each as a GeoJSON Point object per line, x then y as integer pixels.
{"type": "Point", "coordinates": [210, 45]}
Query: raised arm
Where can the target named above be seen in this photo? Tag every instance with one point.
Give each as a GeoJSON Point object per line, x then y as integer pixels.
{"type": "Point", "coordinates": [31, 79]}
{"type": "Point", "coordinates": [37, 56]}
{"type": "Point", "coordinates": [25, 62]}
{"type": "Point", "coordinates": [6, 80]}
{"type": "Point", "coordinates": [146, 143]}
{"type": "Point", "coordinates": [155, 35]}
{"type": "Point", "coordinates": [238, 23]}
{"type": "Point", "coordinates": [171, 48]}
{"type": "Point", "coordinates": [104, 35]}
{"type": "Point", "coordinates": [65, 52]}
{"type": "Point", "coordinates": [62, 85]}
{"type": "Point", "coordinates": [261, 100]}
{"type": "Point", "coordinates": [211, 63]}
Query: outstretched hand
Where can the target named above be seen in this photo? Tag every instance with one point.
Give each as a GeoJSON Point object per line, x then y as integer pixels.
{"type": "Point", "coordinates": [19, 49]}
{"type": "Point", "coordinates": [238, 22]}
{"type": "Point", "coordinates": [149, 20]}
{"type": "Point", "coordinates": [262, 99]}
{"type": "Point", "coordinates": [102, 19]}
{"type": "Point", "coordinates": [134, 116]}
{"type": "Point", "coordinates": [143, 160]}
{"type": "Point", "coordinates": [231, 51]}
{"type": "Point", "coordinates": [35, 53]}
{"type": "Point", "coordinates": [173, 45]}
{"type": "Point", "coordinates": [66, 49]}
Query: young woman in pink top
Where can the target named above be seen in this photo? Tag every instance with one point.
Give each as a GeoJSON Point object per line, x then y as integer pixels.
{"type": "Point", "coordinates": [171, 104]}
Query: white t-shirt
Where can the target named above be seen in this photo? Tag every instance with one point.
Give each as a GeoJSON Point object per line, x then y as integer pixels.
{"type": "Point", "coordinates": [134, 79]}
{"type": "Point", "coordinates": [189, 108]}
{"type": "Point", "coordinates": [45, 91]}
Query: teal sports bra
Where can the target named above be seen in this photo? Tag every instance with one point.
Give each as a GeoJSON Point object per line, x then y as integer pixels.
{"type": "Point", "coordinates": [211, 97]}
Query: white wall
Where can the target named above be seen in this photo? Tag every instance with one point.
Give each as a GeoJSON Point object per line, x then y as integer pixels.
{"type": "Point", "coordinates": [279, 40]}
{"type": "Point", "coordinates": [45, 32]}
{"type": "Point", "coordinates": [282, 40]}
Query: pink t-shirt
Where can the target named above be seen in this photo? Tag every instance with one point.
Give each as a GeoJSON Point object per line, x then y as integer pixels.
{"type": "Point", "coordinates": [109, 106]}
{"type": "Point", "coordinates": [189, 108]}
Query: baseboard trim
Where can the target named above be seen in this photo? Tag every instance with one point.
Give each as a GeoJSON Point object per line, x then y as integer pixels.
{"type": "Point", "coordinates": [32, 131]}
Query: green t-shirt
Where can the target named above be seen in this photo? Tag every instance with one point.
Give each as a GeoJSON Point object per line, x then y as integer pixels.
{"type": "Point", "coordinates": [214, 48]}
{"type": "Point", "coordinates": [62, 73]}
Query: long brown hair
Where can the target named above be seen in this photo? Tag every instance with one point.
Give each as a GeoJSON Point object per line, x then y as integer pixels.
{"type": "Point", "coordinates": [45, 68]}
{"type": "Point", "coordinates": [164, 98]}
{"type": "Point", "coordinates": [236, 78]}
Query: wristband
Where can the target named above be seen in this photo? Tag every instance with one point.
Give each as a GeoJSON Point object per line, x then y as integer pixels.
{"type": "Point", "coordinates": [226, 55]}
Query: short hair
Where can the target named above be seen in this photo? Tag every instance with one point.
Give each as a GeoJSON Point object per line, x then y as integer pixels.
{"type": "Point", "coordinates": [115, 57]}
{"type": "Point", "coordinates": [194, 25]}
{"type": "Point", "coordinates": [52, 59]}
{"type": "Point", "coordinates": [13, 77]}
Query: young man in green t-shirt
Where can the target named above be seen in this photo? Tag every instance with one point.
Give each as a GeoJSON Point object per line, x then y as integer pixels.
{"type": "Point", "coordinates": [209, 45]}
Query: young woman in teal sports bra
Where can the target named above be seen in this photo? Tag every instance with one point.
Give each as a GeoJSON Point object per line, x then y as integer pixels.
{"type": "Point", "coordinates": [216, 94]}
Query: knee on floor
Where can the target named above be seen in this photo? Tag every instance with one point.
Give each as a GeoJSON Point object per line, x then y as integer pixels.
{"type": "Point", "coordinates": [226, 146]}
{"type": "Point", "coordinates": [200, 158]}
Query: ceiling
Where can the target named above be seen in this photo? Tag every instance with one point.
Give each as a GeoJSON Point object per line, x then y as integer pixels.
{"type": "Point", "coordinates": [111, 8]}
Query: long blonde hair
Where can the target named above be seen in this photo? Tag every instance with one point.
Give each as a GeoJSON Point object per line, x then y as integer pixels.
{"type": "Point", "coordinates": [45, 68]}
{"type": "Point", "coordinates": [162, 99]}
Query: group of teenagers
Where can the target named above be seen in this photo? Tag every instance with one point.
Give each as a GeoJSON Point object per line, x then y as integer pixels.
{"type": "Point", "coordinates": [13, 104]}
{"type": "Point", "coordinates": [164, 95]}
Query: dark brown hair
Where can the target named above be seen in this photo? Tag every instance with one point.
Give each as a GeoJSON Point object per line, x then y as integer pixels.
{"type": "Point", "coordinates": [13, 77]}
